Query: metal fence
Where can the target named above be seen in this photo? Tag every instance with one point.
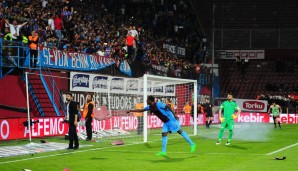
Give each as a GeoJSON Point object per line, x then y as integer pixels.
{"type": "Point", "coordinates": [255, 38]}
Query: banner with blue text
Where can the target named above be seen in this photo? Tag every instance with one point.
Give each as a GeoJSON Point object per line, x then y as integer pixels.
{"type": "Point", "coordinates": [58, 59]}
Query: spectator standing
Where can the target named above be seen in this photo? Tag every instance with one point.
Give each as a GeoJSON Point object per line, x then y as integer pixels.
{"type": "Point", "coordinates": [15, 30]}
{"type": "Point", "coordinates": [51, 23]}
{"type": "Point", "coordinates": [2, 24]}
{"type": "Point", "coordinates": [69, 6]}
{"type": "Point", "coordinates": [130, 42]}
{"type": "Point", "coordinates": [58, 28]}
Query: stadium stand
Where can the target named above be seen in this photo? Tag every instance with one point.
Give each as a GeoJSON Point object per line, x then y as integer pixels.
{"type": "Point", "coordinates": [101, 27]}
{"type": "Point", "coordinates": [259, 77]}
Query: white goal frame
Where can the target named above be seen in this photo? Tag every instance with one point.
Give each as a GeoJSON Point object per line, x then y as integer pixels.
{"type": "Point", "coordinates": [147, 77]}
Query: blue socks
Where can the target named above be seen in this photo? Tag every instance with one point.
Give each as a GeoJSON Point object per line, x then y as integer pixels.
{"type": "Point", "coordinates": [164, 144]}
{"type": "Point", "coordinates": [186, 137]}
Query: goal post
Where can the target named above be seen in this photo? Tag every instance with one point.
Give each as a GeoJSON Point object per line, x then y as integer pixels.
{"type": "Point", "coordinates": [113, 96]}
{"type": "Point", "coordinates": [175, 91]}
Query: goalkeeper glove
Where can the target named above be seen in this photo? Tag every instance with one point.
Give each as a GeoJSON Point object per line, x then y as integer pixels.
{"type": "Point", "coordinates": [222, 119]}
{"type": "Point", "coordinates": [235, 116]}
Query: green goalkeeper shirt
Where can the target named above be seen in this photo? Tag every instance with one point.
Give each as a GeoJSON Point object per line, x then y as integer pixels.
{"type": "Point", "coordinates": [229, 109]}
{"type": "Point", "coordinates": [275, 110]}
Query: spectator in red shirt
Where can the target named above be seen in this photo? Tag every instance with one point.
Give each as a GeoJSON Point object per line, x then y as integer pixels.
{"type": "Point", "coordinates": [58, 28]}
{"type": "Point", "coordinates": [130, 42]}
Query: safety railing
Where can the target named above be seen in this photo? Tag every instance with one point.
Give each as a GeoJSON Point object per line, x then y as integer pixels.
{"type": "Point", "coordinates": [52, 90]}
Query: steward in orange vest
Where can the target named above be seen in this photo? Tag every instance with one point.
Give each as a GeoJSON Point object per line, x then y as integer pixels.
{"type": "Point", "coordinates": [139, 116]}
{"type": "Point", "coordinates": [168, 102]}
{"type": "Point", "coordinates": [187, 108]}
{"type": "Point", "coordinates": [88, 114]}
{"type": "Point", "coordinates": [86, 109]}
{"type": "Point", "coordinates": [139, 106]}
{"type": "Point", "coordinates": [33, 45]}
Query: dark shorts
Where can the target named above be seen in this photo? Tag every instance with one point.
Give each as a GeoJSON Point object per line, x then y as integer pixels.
{"type": "Point", "coordinates": [209, 115]}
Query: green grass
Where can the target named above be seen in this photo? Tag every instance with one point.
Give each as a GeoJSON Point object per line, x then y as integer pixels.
{"type": "Point", "coordinates": [240, 156]}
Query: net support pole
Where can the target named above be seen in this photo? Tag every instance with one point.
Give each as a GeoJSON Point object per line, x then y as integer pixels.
{"type": "Point", "coordinates": [28, 107]}
{"type": "Point", "coordinates": [109, 103]}
{"type": "Point", "coordinates": [145, 127]}
{"type": "Point", "coordinates": [195, 105]}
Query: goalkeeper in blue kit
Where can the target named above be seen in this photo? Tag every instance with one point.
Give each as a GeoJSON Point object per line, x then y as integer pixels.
{"type": "Point", "coordinates": [170, 120]}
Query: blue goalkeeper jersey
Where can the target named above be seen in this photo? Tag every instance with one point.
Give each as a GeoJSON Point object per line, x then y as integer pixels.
{"type": "Point", "coordinates": [161, 111]}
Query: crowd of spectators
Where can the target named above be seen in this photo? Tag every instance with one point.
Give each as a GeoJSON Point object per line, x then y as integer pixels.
{"type": "Point", "coordinates": [102, 27]}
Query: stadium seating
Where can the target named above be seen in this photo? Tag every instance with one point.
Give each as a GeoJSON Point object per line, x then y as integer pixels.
{"type": "Point", "coordinates": [260, 77]}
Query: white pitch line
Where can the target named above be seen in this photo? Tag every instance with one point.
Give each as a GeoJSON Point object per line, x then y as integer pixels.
{"type": "Point", "coordinates": [282, 149]}
{"type": "Point", "coordinates": [80, 151]}
{"type": "Point", "coordinates": [177, 152]}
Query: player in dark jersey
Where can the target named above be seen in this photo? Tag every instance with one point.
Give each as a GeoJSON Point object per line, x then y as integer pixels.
{"type": "Point", "coordinates": [170, 120]}
{"type": "Point", "coordinates": [208, 110]}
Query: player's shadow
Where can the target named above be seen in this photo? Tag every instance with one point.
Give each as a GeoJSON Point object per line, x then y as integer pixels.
{"type": "Point", "coordinates": [168, 159]}
{"type": "Point", "coordinates": [147, 145]}
{"type": "Point", "coordinates": [238, 147]}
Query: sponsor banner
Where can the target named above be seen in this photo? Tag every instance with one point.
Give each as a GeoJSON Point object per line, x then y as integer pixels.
{"type": "Point", "coordinates": [247, 104]}
{"type": "Point", "coordinates": [86, 82]}
{"type": "Point", "coordinates": [53, 126]}
{"type": "Point", "coordinates": [253, 117]}
{"type": "Point", "coordinates": [15, 129]}
{"type": "Point", "coordinates": [252, 105]}
{"type": "Point", "coordinates": [266, 118]}
{"type": "Point", "coordinates": [53, 58]}
{"type": "Point", "coordinates": [233, 54]}
{"type": "Point", "coordinates": [287, 118]}
{"type": "Point", "coordinates": [180, 51]}
{"type": "Point", "coordinates": [117, 101]}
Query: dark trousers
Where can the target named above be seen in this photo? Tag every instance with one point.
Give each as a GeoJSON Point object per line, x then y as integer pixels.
{"type": "Point", "coordinates": [88, 128]}
{"type": "Point", "coordinates": [33, 58]}
{"type": "Point", "coordinates": [72, 133]}
{"type": "Point", "coordinates": [130, 52]}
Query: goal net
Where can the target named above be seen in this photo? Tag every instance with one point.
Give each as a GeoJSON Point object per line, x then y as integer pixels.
{"type": "Point", "coordinates": [179, 94]}
{"type": "Point", "coordinates": [113, 97]}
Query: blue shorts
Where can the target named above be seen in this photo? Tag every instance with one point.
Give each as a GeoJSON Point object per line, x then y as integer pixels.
{"type": "Point", "coordinates": [171, 125]}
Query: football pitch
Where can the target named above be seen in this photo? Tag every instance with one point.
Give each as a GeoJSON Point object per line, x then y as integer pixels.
{"type": "Point", "coordinates": [245, 153]}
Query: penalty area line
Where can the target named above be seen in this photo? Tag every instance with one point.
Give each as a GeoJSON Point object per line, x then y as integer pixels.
{"type": "Point", "coordinates": [282, 149]}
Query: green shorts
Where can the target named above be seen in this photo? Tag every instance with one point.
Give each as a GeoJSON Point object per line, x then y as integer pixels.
{"type": "Point", "coordinates": [228, 124]}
